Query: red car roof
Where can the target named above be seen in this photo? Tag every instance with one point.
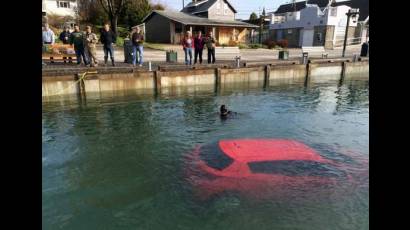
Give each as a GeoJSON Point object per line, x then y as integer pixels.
{"type": "Point", "coordinates": [246, 150]}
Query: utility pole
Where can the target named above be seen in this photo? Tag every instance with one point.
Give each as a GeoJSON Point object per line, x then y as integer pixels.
{"type": "Point", "coordinates": [351, 13]}
{"type": "Point", "coordinates": [183, 4]}
{"type": "Point", "coordinates": [261, 19]}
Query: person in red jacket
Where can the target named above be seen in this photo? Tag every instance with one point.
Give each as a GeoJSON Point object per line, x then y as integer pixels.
{"type": "Point", "coordinates": [188, 45]}
{"type": "Point", "coordinates": [199, 43]}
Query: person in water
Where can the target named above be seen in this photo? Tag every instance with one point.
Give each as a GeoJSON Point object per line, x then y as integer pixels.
{"type": "Point", "coordinates": [224, 111]}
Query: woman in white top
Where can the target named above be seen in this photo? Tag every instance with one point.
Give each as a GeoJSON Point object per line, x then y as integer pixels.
{"type": "Point", "coordinates": [188, 45]}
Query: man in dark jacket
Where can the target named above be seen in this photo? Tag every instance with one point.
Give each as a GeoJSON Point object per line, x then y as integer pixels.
{"type": "Point", "coordinates": [210, 42]}
{"type": "Point", "coordinates": [199, 43]}
{"type": "Point", "coordinates": [65, 35]}
{"type": "Point", "coordinates": [107, 39]}
{"type": "Point", "coordinates": [137, 47]}
{"type": "Point", "coordinates": [77, 38]}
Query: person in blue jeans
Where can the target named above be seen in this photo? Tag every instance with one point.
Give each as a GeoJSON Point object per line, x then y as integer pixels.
{"type": "Point", "coordinates": [108, 37]}
{"type": "Point", "coordinates": [188, 45]}
{"type": "Point", "coordinates": [77, 39]}
{"type": "Point", "coordinates": [137, 47]}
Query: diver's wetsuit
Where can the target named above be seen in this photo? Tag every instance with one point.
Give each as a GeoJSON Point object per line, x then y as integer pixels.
{"type": "Point", "coordinates": [225, 113]}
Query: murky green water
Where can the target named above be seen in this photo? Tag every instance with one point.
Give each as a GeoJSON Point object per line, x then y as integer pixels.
{"type": "Point", "coordinates": [117, 163]}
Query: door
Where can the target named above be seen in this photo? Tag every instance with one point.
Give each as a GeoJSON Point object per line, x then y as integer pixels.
{"type": "Point", "coordinates": [279, 35]}
{"type": "Point", "coordinates": [307, 38]}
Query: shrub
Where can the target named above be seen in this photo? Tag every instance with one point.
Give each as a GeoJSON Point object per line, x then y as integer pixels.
{"type": "Point", "coordinates": [282, 43]}
{"type": "Point", "coordinates": [255, 46]}
{"type": "Point", "coordinates": [121, 31]}
{"type": "Point", "coordinates": [243, 46]}
{"type": "Point", "coordinates": [120, 41]}
{"type": "Point", "coordinates": [269, 43]}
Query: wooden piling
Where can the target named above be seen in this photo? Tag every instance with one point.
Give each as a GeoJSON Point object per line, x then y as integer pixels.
{"type": "Point", "coordinates": [77, 86]}
{"type": "Point", "coordinates": [157, 82]}
{"type": "Point", "coordinates": [307, 74]}
{"type": "Point", "coordinates": [267, 76]}
{"type": "Point", "coordinates": [217, 79]}
{"type": "Point", "coordinates": [343, 73]}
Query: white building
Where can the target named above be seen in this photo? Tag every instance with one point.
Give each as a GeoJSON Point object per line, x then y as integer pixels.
{"type": "Point", "coordinates": [319, 24]}
{"type": "Point", "coordinates": [60, 8]}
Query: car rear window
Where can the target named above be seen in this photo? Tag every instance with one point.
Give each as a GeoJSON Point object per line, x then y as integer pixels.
{"type": "Point", "coordinates": [214, 157]}
{"type": "Point", "coordinates": [295, 168]}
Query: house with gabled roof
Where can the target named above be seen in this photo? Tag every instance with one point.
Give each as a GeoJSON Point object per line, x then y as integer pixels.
{"type": "Point", "coordinates": [218, 16]}
{"type": "Point", "coordinates": [320, 22]}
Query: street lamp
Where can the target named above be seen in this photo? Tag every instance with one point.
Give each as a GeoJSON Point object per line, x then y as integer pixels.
{"type": "Point", "coordinates": [351, 13]}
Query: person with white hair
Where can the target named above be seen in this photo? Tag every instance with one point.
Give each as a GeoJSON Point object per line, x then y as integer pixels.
{"type": "Point", "coordinates": [48, 35]}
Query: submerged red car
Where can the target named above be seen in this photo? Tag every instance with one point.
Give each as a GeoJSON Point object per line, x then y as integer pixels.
{"type": "Point", "coordinates": [260, 167]}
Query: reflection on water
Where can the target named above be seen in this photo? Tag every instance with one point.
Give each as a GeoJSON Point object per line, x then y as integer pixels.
{"type": "Point", "coordinates": [116, 162]}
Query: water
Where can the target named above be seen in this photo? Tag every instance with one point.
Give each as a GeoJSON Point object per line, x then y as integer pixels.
{"type": "Point", "coordinates": [117, 163]}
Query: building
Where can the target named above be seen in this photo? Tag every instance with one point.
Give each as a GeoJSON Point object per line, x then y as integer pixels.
{"type": "Point", "coordinates": [318, 23]}
{"type": "Point", "coordinates": [217, 16]}
{"type": "Point", "coordinates": [67, 10]}
{"type": "Point", "coordinates": [60, 8]}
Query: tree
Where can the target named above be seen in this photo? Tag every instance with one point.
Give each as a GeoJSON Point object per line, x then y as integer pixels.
{"type": "Point", "coordinates": [135, 11]}
{"type": "Point", "coordinates": [113, 9]}
{"type": "Point", "coordinates": [157, 6]}
{"type": "Point", "coordinates": [253, 17]}
{"type": "Point", "coordinates": [263, 12]}
{"type": "Point", "coordinates": [91, 11]}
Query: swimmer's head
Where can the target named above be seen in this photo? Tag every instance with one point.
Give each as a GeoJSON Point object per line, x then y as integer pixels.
{"type": "Point", "coordinates": [223, 108]}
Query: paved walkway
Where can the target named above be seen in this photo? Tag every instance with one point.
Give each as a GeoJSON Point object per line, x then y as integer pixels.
{"type": "Point", "coordinates": [159, 56]}
{"type": "Point", "coordinates": [246, 54]}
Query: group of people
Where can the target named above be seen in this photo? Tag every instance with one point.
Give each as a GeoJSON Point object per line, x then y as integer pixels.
{"type": "Point", "coordinates": [85, 43]}
{"type": "Point", "coordinates": [197, 44]}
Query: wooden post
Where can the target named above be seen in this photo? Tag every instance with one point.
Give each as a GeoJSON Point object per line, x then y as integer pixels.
{"type": "Point", "coordinates": [78, 86]}
{"type": "Point", "coordinates": [267, 76]}
{"type": "Point", "coordinates": [157, 82]}
{"type": "Point", "coordinates": [343, 73]}
{"type": "Point", "coordinates": [307, 74]}
{"type": "Point", "coordinates": [82, 87]}
{"type": "Point", "coordinates": [217, 79]}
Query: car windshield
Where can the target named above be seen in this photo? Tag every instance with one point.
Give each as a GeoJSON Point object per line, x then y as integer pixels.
{"type": "Point", "coordinates": [295, 168]}
{"type": "Point", "coordinates": [214, 157]}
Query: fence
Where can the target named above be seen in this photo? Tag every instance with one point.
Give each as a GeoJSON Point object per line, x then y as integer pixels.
{"type": "Point", "coordinates": [349, 41]}
{"type": "Point", "coordinates": [254, 38]}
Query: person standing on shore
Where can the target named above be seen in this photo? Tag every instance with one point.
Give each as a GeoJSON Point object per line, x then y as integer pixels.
{"type": "Point", "coordinates": [199, 43]}
{"type": "Point", "coordinates": [107, 38]}
{"type": "Point", "coordinates": [77, 38]}
{"type": "Point", "coordinates": [210, 45]}
{"type": "Point", "coordinates": [137, 47]}
{"type": "Point", "coordinates": [188, 45]}
{"type": "Point", "coordinates": [48, 35]}
{"type": "Point", "coordinates": [90, 42]}
{"type": "Point", "coordinates": [65, 35]}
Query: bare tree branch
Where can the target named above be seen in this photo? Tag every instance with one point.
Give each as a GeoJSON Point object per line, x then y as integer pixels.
{"type": "Point", "coordinates": [120, 4]}
{"type": "Point", "coordinates": [103, 6]}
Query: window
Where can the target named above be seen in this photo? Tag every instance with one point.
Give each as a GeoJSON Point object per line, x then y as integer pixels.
{"type": "Point", "coordinates": [333, 12]}
{"type": "Point", "coordinates": [295, 168]}
{"type": "Point", "coordinates": [63, 4]}
{"type": "Point", "coordinates": [178, 28]}
{"type": "Point", "coordinates": [214, 157]}
{"type": "Point", "coordinates": [319, 37]}
{"type": "Point", "coordinates": [289, 31]}
{"type": "Point", "coordinates": [218, 7]}
{"type": "Point", "coordinates": [225, 9]}
{"type": "Point", "coordinates": [279, 35]}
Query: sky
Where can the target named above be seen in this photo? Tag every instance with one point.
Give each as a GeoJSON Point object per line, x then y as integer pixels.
{"type": "Point", "coordinates": [244, 7]}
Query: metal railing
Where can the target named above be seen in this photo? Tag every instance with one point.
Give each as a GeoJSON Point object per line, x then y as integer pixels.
{"type": "Point", "coordinates": [349, 41]}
